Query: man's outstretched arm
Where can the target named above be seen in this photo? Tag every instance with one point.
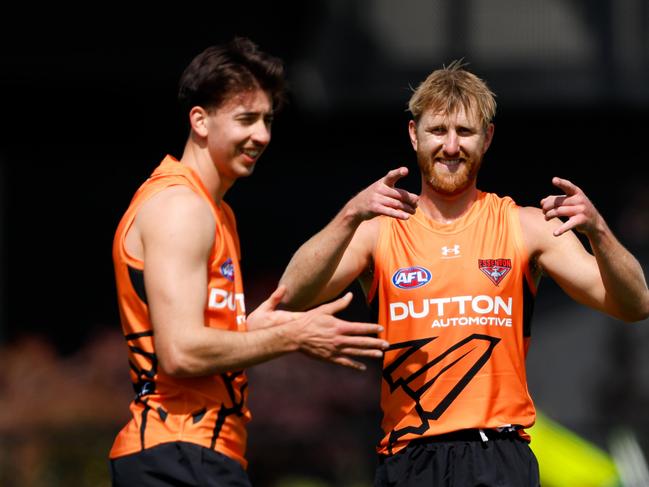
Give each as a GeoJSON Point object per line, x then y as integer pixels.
{"type": "Point", "coordinates": [177, 232]}
{"type": "Point", "coordinates": [330, 260]}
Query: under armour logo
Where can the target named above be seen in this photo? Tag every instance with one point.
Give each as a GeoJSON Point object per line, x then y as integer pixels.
{"type": "Point", "coordinates": [451, 251]}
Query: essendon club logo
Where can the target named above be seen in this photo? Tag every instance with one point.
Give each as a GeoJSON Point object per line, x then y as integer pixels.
{"type": "Point", "coordinates": [495, 269]}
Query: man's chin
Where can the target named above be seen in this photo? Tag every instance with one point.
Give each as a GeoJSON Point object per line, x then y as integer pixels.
{"type": "Point", "coordinates": [449, 188]}
{"type": "Point", "coordinates": [246, 171]}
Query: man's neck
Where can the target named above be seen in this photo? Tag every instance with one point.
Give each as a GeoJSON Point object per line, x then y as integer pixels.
{"type": "Point", "coordinates": [445, 208]}
{"type": "Point", "coordinates": [198, 159]}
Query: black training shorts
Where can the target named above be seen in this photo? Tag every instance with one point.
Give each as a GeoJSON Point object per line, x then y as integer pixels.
{"type": "Point", "coordinates": [179, 465]}
{"type": "Point", "coordinates": [503, 460]}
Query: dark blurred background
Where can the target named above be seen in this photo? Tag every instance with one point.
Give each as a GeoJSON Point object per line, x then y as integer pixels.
{"type": "Point", "coordinates": [87, 100]}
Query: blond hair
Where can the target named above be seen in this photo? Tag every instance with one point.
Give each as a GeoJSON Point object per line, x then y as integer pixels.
{"type": "Point", "coordinates": [452, 87]}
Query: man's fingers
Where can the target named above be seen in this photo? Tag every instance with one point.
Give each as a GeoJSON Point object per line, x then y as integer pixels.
{"type": "Point", "coordinates": [557, 200]}
{"type": "Point", "coordinates": [278, 294]}
{"type": "Point", "coordinates": [564, 211]}
{"type": "Point", "coordinates": [282, 316]}
{"type": "Point", "coordinates": [347, 362]}
{"type": "Point", "coordinates": [400, 199]}
{"type": "Point", "coordinates": [553, 201]}
{"type": "Point", "coordinates": [275, 298]}
{"type": "Point", "coordinates": [360, 328]}
{"type": "Point", "coordinates": [365, 342]}
{"type": "Point", "coordinates": [394, 175]}
{"type": "Point", "coordinates": [397, 213]}
{"type": "Point", "coordinates": [396, 204]}
{"type": "Point", "coordinates": [565, 185]}
{"type": "Point", "coordinates": [336, 305]}
{"type": "Point", "coordinates": [569, 225]}
{"type": "Point", "coordinates": [574, 206]}
{"type": "Point", "coordinates": [362, 352]}
{"type": "Point", "coordinates": [408, 198]}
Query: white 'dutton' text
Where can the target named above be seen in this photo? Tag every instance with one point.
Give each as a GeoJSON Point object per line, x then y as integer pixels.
{"type": "Point", "coordinates": [219, 299]}
{"type": "Point", "coordinates": [457, 311]}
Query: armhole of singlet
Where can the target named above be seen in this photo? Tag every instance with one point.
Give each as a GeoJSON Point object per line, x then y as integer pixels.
{"type": "Point", "coordinates": [137, 263]}
{"type": "Point", "coordinates": [376, 258]}
{"type": "Point", "coordinates": [231, 221]}
{"type": "Point", "coordinates": [129, 260]}
{"type": "Point", "coordinates": [521, 246]}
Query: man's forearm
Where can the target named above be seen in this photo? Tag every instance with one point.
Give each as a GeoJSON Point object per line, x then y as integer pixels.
{"type": "Point", "coordinates": [315, 262]}
{"type": "Point", "coordinates": [318, 333]}
{"type": "Point", "coordinates": [209, 351]}
{"type": "Point", "coordinates": [622, 275]}
{"type": "Point", "coordinates": [327, 263]}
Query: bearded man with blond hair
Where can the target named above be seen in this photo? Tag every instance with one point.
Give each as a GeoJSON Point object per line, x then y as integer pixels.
{"type": "Point", "coordinates": [453, 273]}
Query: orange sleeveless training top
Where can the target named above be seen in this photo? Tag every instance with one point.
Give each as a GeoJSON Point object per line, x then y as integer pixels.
{"type": "Point", "coordinates": [210, 411]}
{"type": "Point", "coordinates": [455, 301]}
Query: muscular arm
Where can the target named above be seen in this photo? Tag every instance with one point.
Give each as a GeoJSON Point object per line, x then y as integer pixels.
{"type": "Point", "coordinates": [176, 229]}
{"type": "Point", "coordinates": [328, 262]}
{"type": "Point", "coordinates": [610, 279]}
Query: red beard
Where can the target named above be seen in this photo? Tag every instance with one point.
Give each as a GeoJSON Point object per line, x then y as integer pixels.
{"type": "Point", "coordinates": [448, 181]}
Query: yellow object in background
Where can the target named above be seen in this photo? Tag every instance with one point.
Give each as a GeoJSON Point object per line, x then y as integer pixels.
{"type": "Point", "coordinates": [567, 460]}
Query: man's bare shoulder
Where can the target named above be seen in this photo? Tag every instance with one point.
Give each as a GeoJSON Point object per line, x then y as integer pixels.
{"type": "Point", "coordinates": [177, 213]}
{"type": "Point", "coordinates": [537, 231]}
{"type": "Point", "coordinates": [172, 202]}
{"type": "Point", "coordinates": [370, 228]}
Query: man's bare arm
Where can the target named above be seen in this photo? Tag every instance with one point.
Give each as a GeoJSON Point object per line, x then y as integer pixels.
{"type": "Point", "coordinates": [177, 231]}
{"type": "Point", "coordinates": [610, 280]}
{"type": "Point", "coordinates": [330, 260]}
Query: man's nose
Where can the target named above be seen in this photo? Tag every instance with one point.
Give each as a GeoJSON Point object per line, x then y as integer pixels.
{"type": "Point", "coordinates": [451, 143]}
{"type": "Point", "coordinates": [261, 133]}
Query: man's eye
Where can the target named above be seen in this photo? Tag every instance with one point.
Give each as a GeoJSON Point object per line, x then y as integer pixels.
{"type": "Point", "coordinates": [247, 120]}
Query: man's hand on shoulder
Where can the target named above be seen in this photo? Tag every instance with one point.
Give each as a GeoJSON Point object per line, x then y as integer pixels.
{"type": "Point", "coordinates": [383, 198]}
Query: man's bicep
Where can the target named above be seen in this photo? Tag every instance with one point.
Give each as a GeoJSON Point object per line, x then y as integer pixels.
{"type": "Point", "coordinates": [176, 239]}
{"type": "Point", "coordinates": [571, 265]}
{"type": "Point", "coordinates": [565, 260]}
{"type": "Point", "coordinates": [175, 283]}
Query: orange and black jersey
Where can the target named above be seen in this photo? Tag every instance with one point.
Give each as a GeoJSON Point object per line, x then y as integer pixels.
{"type": "Point", "coordinates": [209, 411]}
{"type": "Point", "coordinates": [455, 301]}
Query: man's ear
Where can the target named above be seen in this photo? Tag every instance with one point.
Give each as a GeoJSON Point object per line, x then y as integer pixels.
{"type": "Point", "coordinates": [198, 121]}
{"type": "Point", "coordinates": [489, 135]}
{"type": "Point", "coordinates": [412, 130]}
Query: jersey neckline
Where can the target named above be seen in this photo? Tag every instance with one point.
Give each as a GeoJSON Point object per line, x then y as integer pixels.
{"type": "Point", "coordinates": [474, 212]}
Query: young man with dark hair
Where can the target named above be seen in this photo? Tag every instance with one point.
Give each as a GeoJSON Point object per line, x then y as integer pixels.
{"type": "Point", "coordinates": [180, 289]}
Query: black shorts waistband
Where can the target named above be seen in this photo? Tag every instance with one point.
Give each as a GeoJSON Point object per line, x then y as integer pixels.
{"type": "Point", "coordinates": [475, 434]}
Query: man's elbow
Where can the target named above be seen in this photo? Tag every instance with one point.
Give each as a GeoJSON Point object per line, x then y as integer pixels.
{"type": "Point", "coordinates": [296, 304]}
{"type": "Point", "coordinates": [636, 318]}
{"type": "Point", "coordinates": [291, 300]}
{"type": "Point", "coordinates": [640, 312]}
{"type": "Point", "coordinates": [288, 298]}
{"type": "Point", "coordinates": [643, 312]}
{"type": "Point", "coordinates": [175, 363]}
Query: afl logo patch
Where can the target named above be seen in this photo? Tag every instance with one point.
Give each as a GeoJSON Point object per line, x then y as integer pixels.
{"type": "Point", "coordinates": [227, 269]}
{"type": "Point", "coordinates": [411, 277]}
